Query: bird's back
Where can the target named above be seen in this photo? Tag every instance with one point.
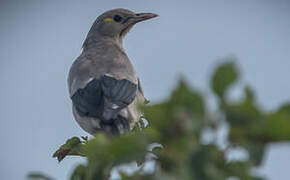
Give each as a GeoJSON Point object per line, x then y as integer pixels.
{"type": "Point", "coordinates": [105, 59]}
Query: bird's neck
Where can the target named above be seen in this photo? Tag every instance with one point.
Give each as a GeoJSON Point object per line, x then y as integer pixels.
{"type": "Point", "coordinates": [96, 41]}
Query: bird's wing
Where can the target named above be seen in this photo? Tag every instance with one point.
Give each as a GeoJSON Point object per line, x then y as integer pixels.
{"type": "Point", "coordinates": [104, 98]}
{"type": "Point", "coordinates": [102, 90]}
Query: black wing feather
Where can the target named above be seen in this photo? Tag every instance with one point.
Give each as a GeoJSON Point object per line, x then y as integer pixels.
{"type": "Point", "coordinates": [103, 98]}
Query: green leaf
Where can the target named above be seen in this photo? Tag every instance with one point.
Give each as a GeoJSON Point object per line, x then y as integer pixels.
{"type": "Point", "coordinates": [103, 153]}
{"type": "Point", "coordinates": [241, 170]}
{"type": "Point", "coordinates": [128, 148]}
{"type": "Point", "coordinates": [224, 76]}
{"type": "Point", "coordinates": [256, 153]}
{"type": "Point", "coordinates": [79, 173]}
{"type": "Point", "coordinates": [95, 148]}
{"type": "Point", "coordinates": [183, 113]}
{"type": "Point", "coordinates": [159, 118]}
{"type": "Point", "coordinates": [73, 146]}
{"type": "Point", "coordinates": [243, 114]}
{"type": "Point", "coordinates": [186, 98]}
{"type": "Point", "coordinates": [250, 96]}
{"type": "Point", "coordinates": [208, 162]}
{"type": "Point", "coordinates": [278, 124]}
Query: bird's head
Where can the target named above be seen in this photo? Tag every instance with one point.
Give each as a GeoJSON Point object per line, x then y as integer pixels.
{"type": "Point", "coordinates": [117, 22]}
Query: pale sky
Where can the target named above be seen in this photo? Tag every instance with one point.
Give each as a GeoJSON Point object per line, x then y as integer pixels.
{"type": "Point", "coordinates": [40, 39]}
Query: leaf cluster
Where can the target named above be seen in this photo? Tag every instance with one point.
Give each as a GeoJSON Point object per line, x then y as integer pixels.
{"type": "Point", "coordinates": [178, 124]}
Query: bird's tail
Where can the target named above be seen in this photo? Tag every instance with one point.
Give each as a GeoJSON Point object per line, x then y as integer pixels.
{"type": "Point", "coordinates": [116, 126]}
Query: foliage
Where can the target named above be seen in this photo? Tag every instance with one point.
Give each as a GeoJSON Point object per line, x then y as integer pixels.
{"type": "Point", "coordinates": [179, 124]}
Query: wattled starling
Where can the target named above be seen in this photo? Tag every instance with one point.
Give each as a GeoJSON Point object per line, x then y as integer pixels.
{"type": "Point", "coordinates": [103, 85]}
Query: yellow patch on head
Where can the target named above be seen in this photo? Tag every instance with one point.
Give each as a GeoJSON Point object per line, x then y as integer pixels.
{"type": "Point", "coordinates": [108, 19]}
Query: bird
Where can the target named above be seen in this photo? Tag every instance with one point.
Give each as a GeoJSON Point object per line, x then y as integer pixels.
{"type": "Point", "coordinates": [103, 84]}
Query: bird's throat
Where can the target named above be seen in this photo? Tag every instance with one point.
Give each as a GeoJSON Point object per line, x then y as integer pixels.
{"type": "Point", "coordinates": [125, 31]}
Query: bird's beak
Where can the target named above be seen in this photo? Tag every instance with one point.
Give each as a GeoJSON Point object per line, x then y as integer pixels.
{"type": "Point", "coordinates": [143, 16]}
{"type": "Point", "coordinates": [130, 21]}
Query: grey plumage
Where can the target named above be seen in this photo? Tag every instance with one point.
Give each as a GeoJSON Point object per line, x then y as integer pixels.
{"type": "Point", "coordinates": [103, 85]}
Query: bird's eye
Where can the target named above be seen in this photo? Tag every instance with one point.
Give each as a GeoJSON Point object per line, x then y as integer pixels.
{"type": "Point", "coordinates": [117, 18]}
